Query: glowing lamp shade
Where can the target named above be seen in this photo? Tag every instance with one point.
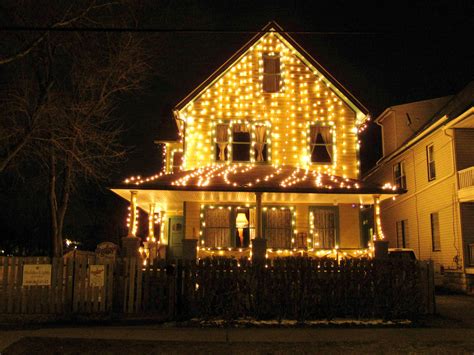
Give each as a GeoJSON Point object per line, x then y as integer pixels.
{"type": "Point", "coordinates": [241, 221]}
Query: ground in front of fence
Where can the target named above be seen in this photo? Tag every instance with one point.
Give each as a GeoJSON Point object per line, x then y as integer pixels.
{"type": "Point", "coordinates": [98, 346]}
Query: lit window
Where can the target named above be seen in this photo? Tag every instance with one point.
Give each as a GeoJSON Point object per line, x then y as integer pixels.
{"type": "Point", "coordinates": [222, 142]}
{"type": "Point", "coordinates": [224, 227]}
{"type": "Point", "coordinates": [399, 178]}
{"type": "Point", "coordinates": [435, 234]}
{"type": "Point", "coordinates": [277, 228]}
{"type": "Point", "coordinates": [321, 144]}
{"type": "Point", "coordinates": [271, 72]}
{"type": "Point", "coordinates": [402, 234]}
{"type": "Point", "coordinates": [430, 158]}
{"type": "Point", "coordinates": [240, 142]}
{"type": "Point", "coordinates": [323, 222]}
{"type": "Point", "coordinates": [217, 231]}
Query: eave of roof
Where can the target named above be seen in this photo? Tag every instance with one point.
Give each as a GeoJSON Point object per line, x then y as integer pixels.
{"type": "Point", "coordinates": [278, 29]}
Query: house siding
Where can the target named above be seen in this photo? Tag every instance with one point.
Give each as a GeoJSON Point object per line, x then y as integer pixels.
{"type": "Point", "coordinates": [304, 98]}
{"type": "Point", "coordinates": [423, 198]}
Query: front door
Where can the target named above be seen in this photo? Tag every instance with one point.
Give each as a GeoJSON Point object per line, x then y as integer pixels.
{"type": "Point", "coordinates": [175, 237]}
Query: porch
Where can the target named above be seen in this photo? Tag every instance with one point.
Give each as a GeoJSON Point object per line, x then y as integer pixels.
{"type": "Point", "coordinates": [255, 212]}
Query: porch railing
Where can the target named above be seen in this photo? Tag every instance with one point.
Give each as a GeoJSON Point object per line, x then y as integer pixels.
{"type": "Point", "coordinates": [466, 177]}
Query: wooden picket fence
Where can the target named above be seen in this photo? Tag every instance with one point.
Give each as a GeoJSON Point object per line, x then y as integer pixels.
{"type": "Point", "coordinates": [69, 289]}
{"type": "Point", "coordinates": [287, 288]}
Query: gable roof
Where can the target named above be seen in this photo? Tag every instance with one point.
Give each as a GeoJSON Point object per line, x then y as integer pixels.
{"type": "Point", "coordinates": [272, 26]}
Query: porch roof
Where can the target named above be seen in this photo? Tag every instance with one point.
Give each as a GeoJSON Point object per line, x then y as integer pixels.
{"type": "Point", "coordinates": [255, 178]}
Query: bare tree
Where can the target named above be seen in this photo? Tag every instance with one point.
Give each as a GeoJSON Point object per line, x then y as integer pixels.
{"type": "Point", "coordinates": [66, 112]}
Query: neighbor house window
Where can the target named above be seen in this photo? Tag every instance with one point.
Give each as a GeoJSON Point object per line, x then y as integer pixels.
{"type": "Point", "coordinates": [241, 142]}
{"type": "Point", "coordinates": [271, 72]}
{"type": "Point", "coordinates": [435, 235]}
{"type": "Point", "coordinates": [222, 142]}
{"type": "Point", "coordinates": [261, 145]}
{"type": "Point", "coordinates": [399, 178]}
{"type": "Point", "coordinates": [278, 227]}
{"type": "Point", "coordinates": [430, 157]}
{"type": "Point", "coordinates": [323, 227]}
{"type": "Point", "coordinates": [321, 144]}
{"type": "Point", "coordinates": [402, 234]}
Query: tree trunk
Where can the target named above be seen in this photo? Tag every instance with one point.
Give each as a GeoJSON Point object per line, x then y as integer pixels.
{"type": "Point", "coordinates": [57, 249]}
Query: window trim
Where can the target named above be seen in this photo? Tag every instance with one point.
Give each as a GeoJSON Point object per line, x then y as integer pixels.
{"type": "Point", "coordinates": [428, 162]}
{"type": "Point", "coordinates": [433, 230]}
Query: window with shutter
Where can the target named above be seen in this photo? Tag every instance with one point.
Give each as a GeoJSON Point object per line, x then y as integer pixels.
{"type": "Point", "coordinates": [271, 73]}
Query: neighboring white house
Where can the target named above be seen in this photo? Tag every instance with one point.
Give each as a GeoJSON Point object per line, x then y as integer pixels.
{"type": "Point", "coordinates": [428, 149]}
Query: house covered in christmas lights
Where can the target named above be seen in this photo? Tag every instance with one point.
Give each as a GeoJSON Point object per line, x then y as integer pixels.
{"type": "Point", "coordinates": [267, 164]}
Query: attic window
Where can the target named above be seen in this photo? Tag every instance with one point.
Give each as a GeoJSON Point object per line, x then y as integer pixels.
{"type": "Point", "coordinates": [271, 72]}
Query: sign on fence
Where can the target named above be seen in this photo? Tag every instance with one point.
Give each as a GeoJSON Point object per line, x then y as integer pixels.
{"type": "Point", "coordinates": [96, 275]}
{"type": "Point", "coordinates": [37, 275]}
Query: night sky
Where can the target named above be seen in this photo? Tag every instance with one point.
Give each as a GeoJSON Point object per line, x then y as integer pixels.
{"type": "Point", "coordinates": [384, 54]}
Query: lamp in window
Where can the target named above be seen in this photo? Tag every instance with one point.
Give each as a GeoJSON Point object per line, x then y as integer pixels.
{"type": "Point", "coordinates": [241, 222]}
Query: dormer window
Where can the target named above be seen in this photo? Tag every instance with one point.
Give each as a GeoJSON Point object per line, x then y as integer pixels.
{"type": "Point", "coordinates": [271, 72]}
{"type": "Point", "coordinates": [222, 142]}
{"type": "Point", "coordinates": [321, 144]}
{"type": "Point", "coordinates": [240, 142]}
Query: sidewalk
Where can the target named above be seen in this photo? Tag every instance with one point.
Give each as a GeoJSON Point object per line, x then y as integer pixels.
{"type": "Point", "coordinates": [452, 330]}
{"type": "Point", "coordinates": [400, 339]}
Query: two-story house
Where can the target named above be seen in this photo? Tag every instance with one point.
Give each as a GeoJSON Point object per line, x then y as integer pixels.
{"type": "Point", "coordinates": [428, 150]}
{"type": "Point", "coordinates": [267, 163]}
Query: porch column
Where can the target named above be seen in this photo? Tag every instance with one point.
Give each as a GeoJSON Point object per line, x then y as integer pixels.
{"type": "Point", "coordinates": [132, 223]}
{"type": "Point", "coordinates": [259, 244]}
{"type": "Point", "coordinates": [150, 243]}
{"type": "Point", "coordinates": [131, 243]}
{"type": "Point", "coordinates": [380, 245]}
